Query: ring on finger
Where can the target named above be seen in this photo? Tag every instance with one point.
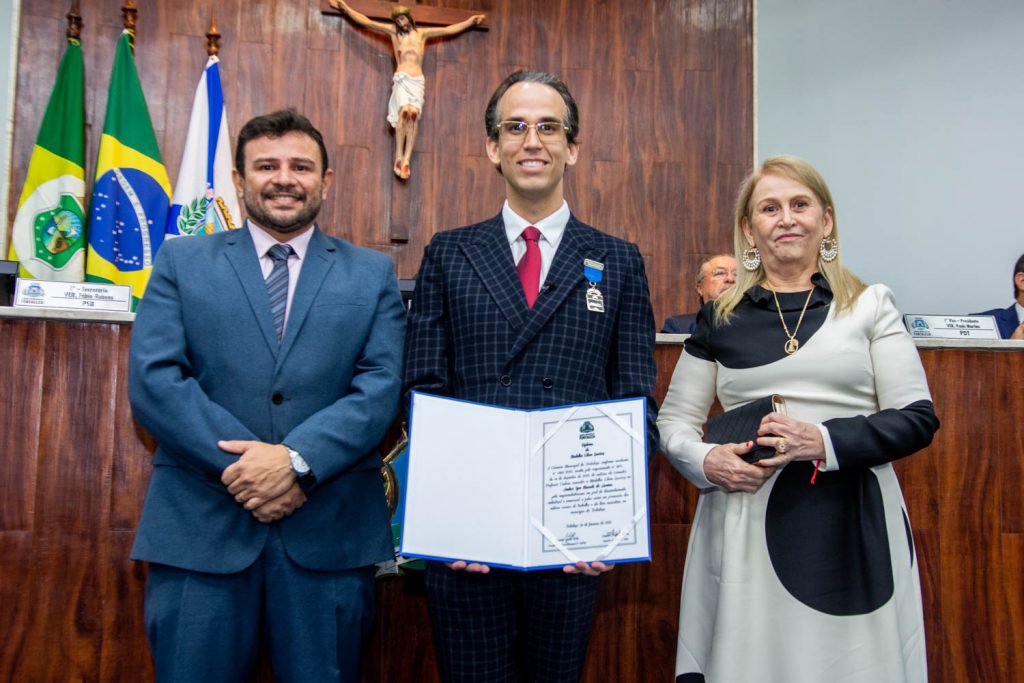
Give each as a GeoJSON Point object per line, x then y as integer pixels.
{"type": "Point", "coordinates": [782, 445]}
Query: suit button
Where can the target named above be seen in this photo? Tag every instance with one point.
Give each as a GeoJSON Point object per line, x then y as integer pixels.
{"type": "Point", "coordinates": [547, 383]}
{"type": "Point", "coordinates": [277, 399]}
{"type": "Point", "coordinates": [506, 380]}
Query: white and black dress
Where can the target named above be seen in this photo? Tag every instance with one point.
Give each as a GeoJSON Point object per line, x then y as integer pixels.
{"type": "Point", "coordinates": [800, 582]}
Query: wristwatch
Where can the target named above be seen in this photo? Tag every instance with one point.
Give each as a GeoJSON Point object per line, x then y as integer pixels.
{"type": "Point", "coordinates": [299, 466]}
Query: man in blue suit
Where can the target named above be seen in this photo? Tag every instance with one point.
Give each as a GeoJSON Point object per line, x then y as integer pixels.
{"type": "Point", "coordinates": [528, 309]}
{"type": "Point", "coordinates": [266, 362]}
{"type": "Point", "coordinates": [714, 276]}
{"type": "Point", "coordinates": [1010, 320]}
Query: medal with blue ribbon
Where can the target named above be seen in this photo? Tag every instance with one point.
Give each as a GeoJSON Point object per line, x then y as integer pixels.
{"type": "Point", "coordinates": [594, 272]}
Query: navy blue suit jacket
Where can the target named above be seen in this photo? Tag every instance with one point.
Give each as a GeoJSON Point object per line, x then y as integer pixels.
{"type": "Point", "coordinates": [472, 336]}
{"type": "Point", "coordinates": [684, 323]}
{"type": "Point", "coordinates": [205, 365]}
{"type": "Point", "coordinates": [1006, 319]}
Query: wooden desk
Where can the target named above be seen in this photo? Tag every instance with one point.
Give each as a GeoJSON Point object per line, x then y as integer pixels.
{"type": "Point", "coordinates": [74, 466]}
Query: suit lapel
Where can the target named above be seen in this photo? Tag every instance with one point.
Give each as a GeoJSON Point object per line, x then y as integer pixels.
{"type": "Point", "coordinates": [491, 257]}
{"type": "Point", "coordinates": [315, 266]}
{"type": "Point", "coordinates": [241, 254]}
{"type": "Point", "coordinates": [565, 274]}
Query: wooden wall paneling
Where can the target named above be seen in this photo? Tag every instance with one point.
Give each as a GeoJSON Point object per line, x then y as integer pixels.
{"type": "Point", "coordinates": [154, 32]}
{"type": "Point", "coordinates": [190, 53]}
{"type": "Point", "coordinates": [72, 494]}
{"type": "Point", "coordinates": [403, 603]}
{"type": "Point", "coordinates": [132, 452]}
{"type": "Point", "coordinates": [1011, 563]}
{"type": "Point", "coordinates": [324, 29]}
{"type": "Point", "coordinates": [1006, 386]}
{"type": "Point", "coordinates": [355, 203]}
{"type": "Point", "coordinates": [15, 578]}
{"type": "Point", "coordinates": [974, 615]}
{"type": "Point", "coordinates": [244, 73]}
{"type": "Point", "coordinates": [290, 59]}
{"type": "Point", "coordinates": [40, 38]}
{"type": "Point", "coordinates": [613, 650]}
{"type": "Point", "coordinates": [359, 88]}
{"type": "Point", "coordinates": [412, 200]}
{"type": "Point", "coordinates": [258, 21]}
{"type": "Point", "coordinates": [733, 90]}
{"type": "Point", "coordinates": [658, 600]}
{"type": "Point", "coordinates": [124, 652]}
{"type": "Point", "coordinates": [20, 414]}
{"type": "Point", "coordinates": [928, 545]}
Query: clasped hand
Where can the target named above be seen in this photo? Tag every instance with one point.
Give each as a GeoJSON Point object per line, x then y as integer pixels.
{"type": "Point", "coordinates": [724, 467]}
{"type": "Point", "coordinates": [262, 479]}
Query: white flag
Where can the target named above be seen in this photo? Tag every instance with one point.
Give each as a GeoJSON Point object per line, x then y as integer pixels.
{"type": "Point", "coordinates": [204, 199]}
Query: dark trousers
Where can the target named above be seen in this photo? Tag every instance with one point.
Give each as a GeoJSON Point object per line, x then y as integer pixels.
{"type": "Point", "coordinates": [207, 627]}
{"type": "Point", "coordinates": [508, 626]}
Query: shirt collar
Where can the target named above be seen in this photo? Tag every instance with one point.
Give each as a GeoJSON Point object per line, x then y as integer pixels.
{"type": "Point", "coordinates": [1020, 312]}
{"type": "Point", "coordinates": [551, 227]}
{"type": "Point", "coordinates": [264, 241]}
{"type": "Point", "coordinates": [822, 292]}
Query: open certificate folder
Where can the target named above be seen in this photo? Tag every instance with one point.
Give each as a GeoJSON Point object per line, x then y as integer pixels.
{"type": "Point", "coordinates": [526, 489]}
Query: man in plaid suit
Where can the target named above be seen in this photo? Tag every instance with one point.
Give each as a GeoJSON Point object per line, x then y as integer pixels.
{"type": "Point", "coordinates": [528, 309]}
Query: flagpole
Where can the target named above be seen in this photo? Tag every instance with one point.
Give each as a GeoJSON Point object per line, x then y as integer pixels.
{"type": "Point", "coordinates": [8, 118]}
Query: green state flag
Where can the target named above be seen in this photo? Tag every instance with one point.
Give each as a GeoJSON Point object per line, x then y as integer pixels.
{"type": "Point", "coordinates": [47, 238]}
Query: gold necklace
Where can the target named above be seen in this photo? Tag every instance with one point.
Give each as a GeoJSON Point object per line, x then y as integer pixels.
{"type": "Point", "coordinates": [793, 344]}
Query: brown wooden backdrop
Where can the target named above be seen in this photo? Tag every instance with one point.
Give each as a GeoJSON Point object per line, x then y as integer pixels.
{"type": "Point", "coordinates": [664, 87]}
{"type": "Point", "coordinates": [74, 466]}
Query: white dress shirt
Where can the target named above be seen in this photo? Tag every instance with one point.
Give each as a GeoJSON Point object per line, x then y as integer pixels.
{"type": "Point", "coordinates": [299, 244]}
{"type": "Point", "coordinates": [551, 228]}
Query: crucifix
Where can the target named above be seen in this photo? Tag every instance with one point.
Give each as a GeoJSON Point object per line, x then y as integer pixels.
{"type": "Point", "coordinates": [409, 43]}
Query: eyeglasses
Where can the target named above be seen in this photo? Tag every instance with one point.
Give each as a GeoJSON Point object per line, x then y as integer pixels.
{"type": "Point", "coordinates": [545, 129]}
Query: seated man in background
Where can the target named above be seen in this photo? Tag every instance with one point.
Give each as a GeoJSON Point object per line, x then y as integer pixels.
{"type": "Point", "coordinates": [1011, 319]}
{"type": "Point", "coordinates": [715, 275]}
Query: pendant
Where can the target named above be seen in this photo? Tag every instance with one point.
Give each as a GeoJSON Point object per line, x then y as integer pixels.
{"type": "Point", "coordinates": [595, 300]}
{"type": "Point", "coordinates": [791, 346]}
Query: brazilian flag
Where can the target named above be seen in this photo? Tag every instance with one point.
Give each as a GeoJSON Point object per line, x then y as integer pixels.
{"type": "Point", "coordinates": [131, 194]}
{"type": "Point", "coordinates": [48, 238]}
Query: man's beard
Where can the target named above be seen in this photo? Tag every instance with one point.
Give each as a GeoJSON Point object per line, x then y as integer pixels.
{"type": "Point", "coordinates": [262, 217]}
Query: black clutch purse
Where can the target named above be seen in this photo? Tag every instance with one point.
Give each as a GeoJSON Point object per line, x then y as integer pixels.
{"type": "Point", "coordinates": [740, 425]}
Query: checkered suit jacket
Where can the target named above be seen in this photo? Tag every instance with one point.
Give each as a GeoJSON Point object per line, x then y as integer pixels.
{"type": "Point", "coordinates": [470, 334]}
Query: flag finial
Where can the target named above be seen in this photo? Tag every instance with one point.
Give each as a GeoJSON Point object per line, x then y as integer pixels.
{"type": "Point", "coordinates": [130, 12]}
{"type": "Point", "coordinates": [74, 21]}
{"type": "Point", "coordinates": [213, 38]}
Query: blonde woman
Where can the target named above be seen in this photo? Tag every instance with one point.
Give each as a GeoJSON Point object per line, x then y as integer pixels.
{"type": "Point", "coordinates": [801, 566]}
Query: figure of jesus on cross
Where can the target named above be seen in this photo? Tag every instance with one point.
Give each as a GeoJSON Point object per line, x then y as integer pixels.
{"type": "Point", "coordinates": [407, 90]}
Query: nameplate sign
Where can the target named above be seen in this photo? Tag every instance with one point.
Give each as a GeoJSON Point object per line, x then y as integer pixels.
{"type": "Point", "coordinates": [79, 296]}
{"type": "Point", "coordinates": [952, 326]}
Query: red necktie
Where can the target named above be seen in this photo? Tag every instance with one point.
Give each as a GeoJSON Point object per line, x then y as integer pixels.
{"type": "Point", "coordinates": [529, 265]}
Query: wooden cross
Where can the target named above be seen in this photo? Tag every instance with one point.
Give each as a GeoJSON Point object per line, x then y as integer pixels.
{"type": "Point", "coordinates": [424, 15]}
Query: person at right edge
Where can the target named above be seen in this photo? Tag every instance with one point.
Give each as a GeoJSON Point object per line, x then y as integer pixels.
{"type": "Point", "coordinates": [801, 567]}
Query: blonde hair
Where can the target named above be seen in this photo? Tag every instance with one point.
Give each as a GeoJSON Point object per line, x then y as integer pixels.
{"type": "Point", "coordinates": [845, 286]}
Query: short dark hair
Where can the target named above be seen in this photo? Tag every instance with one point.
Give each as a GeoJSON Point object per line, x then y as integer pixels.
{"type": "Point", "coordinates": [572, 113]}
{"type": "Point", "coordinates": [274, 126]}
{"type": "Point", "coordinates": [1019, 268]}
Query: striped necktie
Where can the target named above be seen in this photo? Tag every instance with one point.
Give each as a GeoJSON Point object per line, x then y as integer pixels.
{"type": "Point", "coordinates": [277, 285]}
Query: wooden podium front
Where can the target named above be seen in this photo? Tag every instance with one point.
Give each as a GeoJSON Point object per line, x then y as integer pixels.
{"type": "Point", "coordinates": [74, 467]}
